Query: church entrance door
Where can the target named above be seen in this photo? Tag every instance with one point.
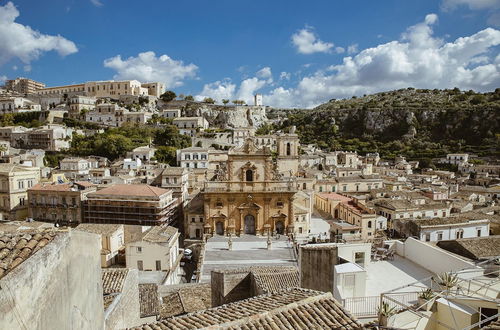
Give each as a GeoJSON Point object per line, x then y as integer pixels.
{"type": "Point", "coordinates": [280, 227]}
{"type": "Point", "coordinates": [250, 224]}
{"type": "Point", "coordinates": [219, 228]}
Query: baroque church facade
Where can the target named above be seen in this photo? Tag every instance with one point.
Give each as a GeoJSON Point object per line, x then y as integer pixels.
{"type": "Point", "coordinates": [251, 193]}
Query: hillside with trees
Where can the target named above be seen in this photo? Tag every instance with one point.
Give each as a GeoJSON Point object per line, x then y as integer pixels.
{"type": "Point", "coordinates": [418, 123]}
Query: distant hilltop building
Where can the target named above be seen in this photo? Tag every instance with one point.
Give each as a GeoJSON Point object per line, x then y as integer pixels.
{"type": "Point", "coordinates": [109, 88]}
{"type": "Point", "coordinates": [24, 85]}
{"type": "Point", "coordinates": [257, 100]}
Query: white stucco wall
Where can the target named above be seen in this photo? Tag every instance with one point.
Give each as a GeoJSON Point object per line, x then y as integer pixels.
{"type": "Point", "coordinates": [59, 287]}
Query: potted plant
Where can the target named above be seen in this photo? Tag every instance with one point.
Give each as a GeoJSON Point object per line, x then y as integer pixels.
{"type": "Point", "coordinates": [384, 312]}
{"type": "Point", "coordinates": [447, 281]}
{"type": "Point", "coordinates": [424, 299]}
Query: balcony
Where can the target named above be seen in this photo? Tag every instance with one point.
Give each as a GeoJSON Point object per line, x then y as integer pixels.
{"type": "Point", "coordinates": [253, 186]}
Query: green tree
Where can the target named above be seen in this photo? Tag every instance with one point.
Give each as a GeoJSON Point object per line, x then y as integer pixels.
{"type": "Point", "coordinates": [208, 100]}
{"type": "Point", "coordinates": [189, 98]}
{"type": "Point", "coordinates": [168, 96]}
{"type": "Point", "coordinates": [166, 154]}
{"type": "Point", "coordinates": [225, 101]}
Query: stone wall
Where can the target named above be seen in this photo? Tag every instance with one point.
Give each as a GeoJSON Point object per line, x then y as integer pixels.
{"type": "Point", "coordinates": [59, 287]}
{"type": "Point", "coordinates": [230, 286]}
{"type": "Point", "coordinates": [317, 266]}
{"type": "Point", "coordinates": [124, 312]}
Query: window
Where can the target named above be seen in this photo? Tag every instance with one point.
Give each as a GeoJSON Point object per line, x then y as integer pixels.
{"type": "Point", "coordinates": [138, 249]}
{"type": "Point", "coordinates": [478, 232]}
{"type": "Point", "coordinates": [359, 258]}
{"type": "Point", "coordinates": [249, 175]}
{"type": "Point", "coordinates": [427, 237]}
{"type": "Point", "coordinates": [218, 203]}
{"type": "Point", "coordinates": [158, 264]}
{"type": "Point", "coordinates": [193, 220]}
{"type": "Point", "coordinates": [439, 236]}
{"type": "Point", "coordinates": [139, 265]}
{"type": "Point", "coordinates": [279, 204]}
{"type": "Point", "coordinates": [344, 188]}
{"type": "Point", "coordinates": [369, 224]}
{"type": "Point", "coordinates": [288, 149]}
{"type": "Point", "coordinates": [460, 233]}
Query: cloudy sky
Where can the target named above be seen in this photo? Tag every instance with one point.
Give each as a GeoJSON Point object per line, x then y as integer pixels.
{"type": "Point", "coordinates": [295, 53]}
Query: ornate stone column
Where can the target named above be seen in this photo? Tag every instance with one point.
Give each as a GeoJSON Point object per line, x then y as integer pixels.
{"type": "Point", "coordinates": [267, 223]}
{"type": "Point", "coordinates": [208, 221]}
{"type": "Point", "coordinates": [291, 216]}
{"type": "Point", "coordinates": [230, 208]}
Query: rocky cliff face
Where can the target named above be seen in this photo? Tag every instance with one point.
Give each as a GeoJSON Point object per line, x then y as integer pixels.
{"type": "Point", "coordinates": [227, 116]}
{"type": "Point", "coordinates": [431, 114]}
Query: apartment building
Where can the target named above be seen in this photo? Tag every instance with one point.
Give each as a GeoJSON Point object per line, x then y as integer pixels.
{"type": "Point", "coordinates": [170, 113]}
{"type": "Point", "coordinates": [193, 157]}
{"type": "Point", "coordinates": [404, 209]}
{"type": "Point", "coordinates": [24, 85]}
{"type": "Point", "coordinates": [190, 125]}
{"type": "Point", "coordinates": [58, 202]}
{"type": "Point", "coordinates": [109, 88]}
{"type": "Point", "coordinates": [350, 216]}
{"type": "Point", "coordinates": [466, 225]}
{"type": "Point", "coordinates": [130, 204]}
{"type": "Point", "coordinates": [112, 240]}
{"type": "Point", "coordinates": [15, 180]}
{"type": "Point", "coordinates": [75, 166]}
{"type": "Point", "coordinates": [176, 179]}
{"type": "Point", "coordinates": [18, 104]}
{"type": "Point", "coordinates": [77, 103]}
{"type": "Point", "coordinates": [156, 250]}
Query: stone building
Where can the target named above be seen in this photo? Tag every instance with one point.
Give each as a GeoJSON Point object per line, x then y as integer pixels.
{"type": "Point", "coordinates": [15, 180]}
{"type": "Point", "coordinates": [249, 196]}
{"type": "Point", "coordinates": [58, 203]}
{"type": "Point", "coordinates": [137, 204]}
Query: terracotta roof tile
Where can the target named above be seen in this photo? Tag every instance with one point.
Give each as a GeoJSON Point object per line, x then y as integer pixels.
{"type": "Point", "coordinates": [131, 190]}
{"type": "Point", "coordinates": [148, 298]}
{"type": "Point", "coordinates": [113, 279]}
{"type": "Point", "coordinates": [294, 308]}
{"type": "Point", "coordinates": [18, 246]}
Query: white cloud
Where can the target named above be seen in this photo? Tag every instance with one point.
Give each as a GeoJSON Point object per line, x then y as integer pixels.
{"type": "Point", "coordinates": [97, 3]}
{"type": "Point", "coordinates": [22, 42]}
{"type": "Point", "coordinates": [339, 50]}
{"type": "Point", "coordinates": [264, 73]}
{"type": "Point", "coordinates": [351, 49]}
{"type": "Point", "coordinates": [218, 90]}
{"type": "Point", "coordinates": [147, 67]}
{"type": "Point", "coordinates": [419, 59]}
{"type": "Point", "coordinates": [307, 42]}
{"type": "Point", "coordinates": [492, 6]}
{"type": "Point", "coordinates": [3, 79]}
{"type": "Point", "coordinates": [472, 4]}
{"type": "Point", "coordinates": [227, 90]}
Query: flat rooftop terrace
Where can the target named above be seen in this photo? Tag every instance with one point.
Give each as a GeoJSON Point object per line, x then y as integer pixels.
{"type": "Point", "coordinates": [248, 250]}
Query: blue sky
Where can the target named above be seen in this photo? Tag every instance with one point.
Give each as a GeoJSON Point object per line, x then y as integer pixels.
{"type": "Point", "coordinates": [296, 53]}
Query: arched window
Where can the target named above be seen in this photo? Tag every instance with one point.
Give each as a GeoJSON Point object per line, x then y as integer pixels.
{"type": "Point", "coordinates": [288, 149]}
{"type": "Point", "coordinates": [249, 175]}
{"type": "Point", "coordinates": [369, 224]}
{"type": "Point", "coordinates": [460, 233]}
{"type": "Point", "coordinates": [304, 186]}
